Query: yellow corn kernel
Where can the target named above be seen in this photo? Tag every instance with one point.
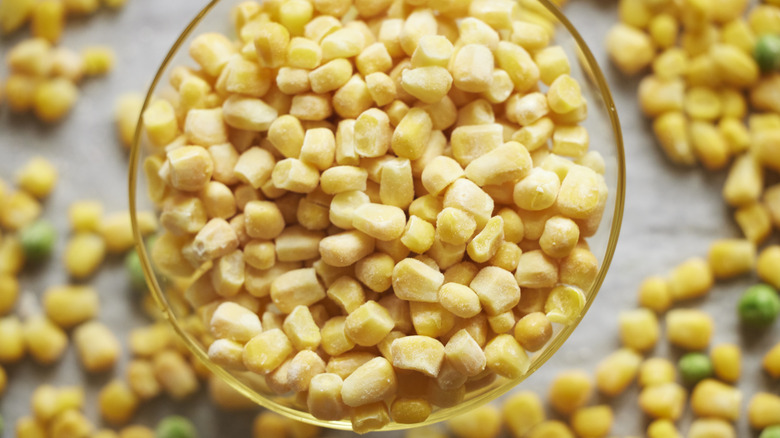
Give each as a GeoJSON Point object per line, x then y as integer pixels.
{"type": "Point", "coordinates": [347, 293]}
{"type": "Point", "coordinates": [617, 371]}
{"type": "Point", "coordinates": [432, 50]}
{"type": "Point", "coordinates": [711, 398]}
{"type": "Point", "coordinates": [127, 110]}
{"type": "Point", "coordinates": [352, 98]}
{"type": "Point", "coordinates": [536, 270]}
{"type": "Point", "coordinates": [671, 131]}
{"type": "Point", "coordinates": [662, 429]}
{"type": "Point", "coordinates": [639, 329]}
{"type": "Point", "coordinates": [533, 331]}
{"type": "Point", "coordinates": [496, 288]}
{"type": "Point", "coordinates": [522, 411]}
{"type": "Point", "coordinates": [582, 194]}
{"type": "Point", "coordinates": [418, 353]}
{"type": "Point", "coordinates": [410, 410]}
{"type": "Point", "coordinates": [670, 64]}
{"type": "Point", "coordinates": [564, 95]}
{"type": "Point", "coordinates": [731, 257]}
{"type": "Point", "coordinates": [551, 428]}
{"type": "Point", "coordinates": [15, 14]}
{"type": "Point", "coordinates": [569, 391]}
{"type": "Point", "coordinates": [709, 145]}
{"type": "Point", "coordinates": [19, 91]}
{"type": "Point", "coordinates": [342, 43]}
{"type": "Point", "coordinates": [663, 401]}
{"type": "Point", "coordinates": [430, 319]}
{"type": "Point", "coordinates": [227, 353]}
{"type": "Point", "coordinates": [175, 375]}
{"type": "Point", "coordinates": [334, 340]}
{"type": "Point", "coordinates": [428, 84]}
{"type": "Point", "coordinates": [310, 106]}
{"type": "Point", "coordinates": [654, 294]}
{"type": "Point", "coordinates": [552, 62]}
{"type": "Point", "coordinates": [140, 377]}
{"type": "Point", "coordinates": [472, 68]}
{"type": "Point", "coordinates": [486, 243]}
{"type": "Point", "coordinates": [726, 362]}
{"type": "Point", "coordinates": [689, 329]}
{"type": "Point", "coordinates": [31, 57]}
{"type": "Point", "coordinates": [324, 397]}
{"type": "Point", "coordinates": [711, 427]}
{"type": "Point", "coordinates": [117, 402]}
{"type": "Point", "coordinates": [630, 49]}
{"type": "Point", "coordinates": [97, 346]}
{"type": "Point", "coordinates": [745, 181]}
{"type": "Point", "coordinates": [54, 98]}
{"type": "Point", "coordinates": [663, 29]}
{"type": "Point", "coordinates": [286, 134]}
{"type": "Point", "coordinates": [381, 87]}
{"type": "Point", "coordinates": [296, 287]}
{"type": "Point", "coordinates": [764, 410]}
{"type": "Point", "coordinates": [691, 279]}
{"type": "Point", "coordinates": [755, 222]}
{"type": "Point", "coordinates": [735, 67]}
{"type": "Point", "coordinates": [159, 121]}
{"type": "Point", "coordinates": [593, 421]}
{"type": "Point", "coordinates": [37, 177]}
{"type": "Point", "coordinates": [465, 355]}
{"type": "Point", "coordinates": [484, 421]}
{"type": "Point", "coordinates": [372, 382]}
{"type": "Point", "coordinates": [266, 351]}
{"type": "Point", "coordinates": [369, 417]}
{"type": "Point", "coordinates": [235, 322]}
{"type": "Point", "coordinates": [302, 367]}
{"type": "Point", "coordinates": [559, 237]}
{"type": "Point", "coordinates": [771, 362]}
{"type": "Point", "coordinates": [45, 341]}
{"type": "Point", "coordinates": [9, 293]}
{"type": "Point", "coordinates": [69, 306]}
{"type": "Point", "coordinates": [14, 346]}
{"type": "Point", "coordinates": [658, 96]}
{"type": "Point", "coordinates": [346, 248]}
{"type": "Point", "coordinates": [702, 103]}
{"type": "Point", "coordinates": [98, 60]}
{"type": "Point", "coordinates": [83, 254]}
{"type": "Point", "coordinates": [373, 134]}
{"type": "Point", "coordinates": [765, 266]}
{"type": "Point", "coordinates": [293, 80]}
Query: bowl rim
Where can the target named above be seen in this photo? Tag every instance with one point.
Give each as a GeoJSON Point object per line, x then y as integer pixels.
{"type": "Point", "coordinates": [594, 72]}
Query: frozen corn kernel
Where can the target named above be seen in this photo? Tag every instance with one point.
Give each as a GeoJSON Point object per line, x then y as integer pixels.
{"type": "Point", "coordinates": [663, 401]}
{"type": "Point", "coordinates": [69, 306]}
{"type": "Point", "coordinates": [570, 391]}
{"type": "Point", "coordinates": [369, 417]}
{"type": "Point", "coordinates": [117, 402]}
{"type": "Point", "coordinates": [302, 367]}
{"type": "Point", "coordinates": [662, 429]}
{"type": "Point", "coordinates": [253, 166]}
{"type": "Point", "coordinates": [711, 398]}
{"type": "Point", "coordinates": [37, 177]}
{"type": "Point", "coordinates": [174, 374]}
{"type": "Point", "coordinates": [496, 288]}
{"type": "Point", "coordinates": [44, 340]}
{"type": "Point", "coordinates": [533, 331]}
{"type": "Point", "coordinates": [14, 346]}
{"type": "Point", "coordinates": [592, 421]}
{"type": "Point", "coordinates": [538, 190]}
{"type": "Point", "coordinates": [771, 362]}
{"type": "Point", "coordinates": [766, 264]}
{"type": "Point", "coordinates": [630, 49]}
{"type": "Point", "coordinates": [342, 43]}
{"type": "Point", "coordinates": [98, 60]}
{"type": "Point", "coordinates": [372, 382]}
{"type": "Point", "coordinates": [755, 222]}
{"type": "Point", "coordinates": [428, 84]}
{"type": "Point", "coordinates": [97, 346]}
{"type": "Point", "coordinates": [408, 410]}
{"type": "Point", "coordinates": [711, 427]}
{"type": "Point", "coordinates": [296, 287]}
{"type": "Point", "coordinates": [346, 248]}
{"type": "Point", "coordinates": [190, 167]}
{"type": "Point", "coordinates": [84, 254]}
{"type": "Point", "coordinates": [473, 141]}
{"type": "Point", "coordinates": [459, 299]}
{"type": "Point", "coordinates": [247, 113]}
{"type": "Point", "coordinates": [347, 293]}
{"type": "Point", "coordinates": [536, 270]}
{"type": "Point", "coordinates": [375, 271]}
{"type": "Point", "coordinates": [654, 294]}
{"type": "Point", "coordinates": [472, 68]}
{"type": "Point", "coordinates": [691, 279]}
{"type": "Point", "coordinates": [235, 322]}
{"type": "Point", "coordinates": [373, 134]}
{"type": "Point", "coordinates": [430, 319]}
{"type": "Point", "coordinates": [486, 243]}
{"type": "Point", "coordinates": [127, 110]}
{"type": "Point", "coordinates": [517, 62]}
{"type": "Point", "coordinates": [159, 121]}
{"type": "Point", "coordinates": [413, 280]}
{"type": "Point", "coordinates": [617, 371]}
{"type": "Point", "coordinates": [726, 362]}
{"type": "Point", "coordinates": [9, 293]}
{"type": "Point", "coordinates": [570, 141]}
{"type": "Point", "coordinates": [559, 237]}
{"type": "Point", "coordinates": [522, 411]}
{"type": "Point", "coordinates": [506, 163]}
{"type": "Point", "coordinates": [745, 181]}
{"type": "Point", "coordinates": [266, 351]}
{"type": "Point", "coordinates": [731, 257]}
{"type": "Point", "coordinates": [454, 226]}
{"type": "Point", "coordinates": [764, 410]}
{"type": "Point", "coordinates": [734, 66]}
{"type": "Point", "coordinates": [324, 397]}
{"type": "Point", "coordinates": [465, 355]}
{"type": "Point", "coordinates": [418, 353]}
{"type": "Point", "coordinates": [506, 357]}
{"type": "Point", "coordinates": [334, 340]}
{"type": "Point", "coordinates": [689, 329]}
{"type": "Point", "coordinates": [396, 183]}
{"type": "Point", "coordinates": [368, 324]}
{"type": "Point", "coordinates": [639, 329]}
{"type": "Point", "coordinates": [53, 99]}
{"type": "Point", "coordinates": [484, 421]}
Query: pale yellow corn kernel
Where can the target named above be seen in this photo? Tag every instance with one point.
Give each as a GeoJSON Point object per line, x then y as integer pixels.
{"type": "Point", "coordinates": [321, 26]}
{"type": "Point", "coordinates": [382, 222]}
{"type": "Point", "coordinates": [53, 99]}
{"type": "Point", "coordinates": [487, 242]}
{"type": "Point", "coordinates": [737, 32]}
{"type": "Point", "coordinates": [286, 134]}
{"type": "Point", "coordinates": [418, 235]}
{"type": "Point", "coordinates": [271, 41]}
{"type": "Point", "coordinates": [9, 293]}
{"type": "Point", "coordinates": [324, 397]}
{"type": "Point", "coordinates": [263, 219]}
{"type": "Point", "coordinates": [160, 124]}
{"type": "Point", "coordinates": [689, 329]}
{"type": "Point", "coordinates": [459, 299]}
{"type": "Point", "coordinates": [726, 362]}
{"type": "Point", "coordinates": [700, 71]}
{"type": "Point", "coordinates": [639, 329]}
{"type": "Point", "coordinates": [564, 304]}
{"type": "Point", "coordinates": [303, 366]}
{"type": "Point", "coordinates": [536, 270]}
{"type": "Point", "coordinates": [347, 293]}
{"type": "Point", "coordinates": [570, 391]}
{"type": "Point", "coordinates": [369, 417]}
{"type": "Point", "coordinates": [340, 179]}
{"type": "Point", "coordinates": [342, 43]}
{"type": "Point", "coordinates": [593, 421]}
{"type": "Point", "coordinates": [735, 134]}
{"type": "Point", "coordinates": [484, 421]}
{"type": "Point", "coordinates": [711, 428]}
{"type": "Point", "coordinates": [552, 62]}
{"type": "Point", "coordinates": [516, 61]}
{"type": "Point", "coordinates": [303, 53]}
{"type": "Point", "coordinates": [570, 141]}
{"type": "Point", "coordinates": [343, 205]}
{"type": "Point", "coordinates": [98, 60]}
{"type": "Point", "coordinates": [663, 401]}
{"type": "Point", "coordinates": [15, 14]}
{"type": "Point", "coordinates": [731, 257]}
{"type": "Point", "coordinates": [745, 181]}
{"type": "Point", "coordinates": [227, 353]}
{"type": "Point", "coordinates": [413, 280]}
{"type": "Point", "coordinates": [734, 66]}
{"type": "Point", "coordinates": [117, 402]}
{"type": "Point", "coordinates": [70, 423]}
{"type": "Point", "coordinates": [352, 98]}
{"type": "Point", "coordinates": [14, 346]}
{"type": "Point", "coordinates": [765, 266]}
{"type": "Point", "coordinates": [579, 268]}
{"type": "Point", "coordinates": [472, 68]}
{"type": "Point", "coordinates": [526, 109]}
{"type": "Point", "coordinates": [582, 194]}
{"type": "Point", "coordinates": [670, 64]}
{"type": "Point", "coordinates": [771, 361]}
{"type": "Point", "coordinates": [418, 24]}
{"type": "Point", "coordinates": [375, 271]}
{"type": "Point", "coordinates": [533, 331]}
{"type": "Point", "coordinates": [372, 382]}
{"type": "Point", "coordinates": [97, 346]}
{"type": "Point", "coordinates": [45, 341]}
{"type": "Point", "coordinates": [31, 57]}
{"type": "Point", "coordinates": [506, 357]}
{"type": "Point", "coordinates": [755, 221]}
{"type": "Point", "coordinates": [467, 196]}
{"type": "Point", "coordinates": [764, 410]}
{"type": "Point", "coordinates": [697, 41]}
{"type": "Point", "coordinates": [83, 254]}
{"type": "Point", "coordinates": [418, 353]}
{"type": "Point", "coordinates": [295, 175]}
{"type": "Point", "coordinates": [127, 110]}
{"type": "Point", "coordinates": [374, 59]}
{"type": "Point", "coordinates": [69, 306]}
{"type": "Point", "coordinates": [426, 207]}
{"type": "Point", "coordinates": [396, 185]}
{"type": "Point", "coordinates": [346, 248]}
{"type": "Point", "coordinates": [428, 84]}
{"type": "Point", "coordinates": [218, 200]}
{"type": "Point", "coordinates": [175, 375]}
{"type": "Point", "coordinates": [504, 164]}
{"type": "Point", "coordinates": [381, 87]}
{"type": "Point", "coordinates": [501, 87]}
{"type": "Point", "coordinates": [245, 77]}
{"type": "Point", "coordinates": [538, 190]}
{"type": "Point", "coordinates": [709, 145]}
{"type": "Point", "coordinates": [44, 402]}
{"type": "Point", "coordinates": [663, 29]}
{"type": "Point", "coordinates": [319, 148]}
{"type": "Point", "coordinates": [654, 294]}
{"type": "Point", "coordinates": [296, 287]}
{"type": "Point", "coordinates": [149, 340]}
{"type": "Point", "coordinates": [465, 355]}
{"type": "Point", "coordinates": [765, 144]}
{"type": "Point", "coordinates": [559, 237]}
{"type": "Point", "coordinates": [293, 81]}
{"type": "Point", "coordinates": [28, 427]}
{"type": "Point", "coordinates": [412, 134]}
{"type": "Point", "coordinates": [440, 173]}
{"type": "Point", "coordinates": [522, 411]}
{"type": "Point", "coordinates": [432, 50]}
{"type": "Point", "coordinates": [334, 340]}
{"type": "Point", "coordinates": [310, 106]}
{"type": "Point", "coordinates": [454, 226]}
{"type": "Point", "coordinates": [636, 13]}
{"type": "Point", "coordinates": [330, 75]}
{"type": "Point", "coordinates": [247, 113]}
{"type": "Point", "coordinates": [19, 90]}
{"type": "Point", "coordinates": [211, 51]}
{"type": "Point", "coordinates": [294, 15]}
{"type": "Point", "coordinates": [630, 49]}
{"type": "Point", "coordinates": [373, 133]}
{"type": "Point", "coordinates": [497, 290]}
{"type": "Point", "coordinates": [37, 177]}
{"type": "Point", "coordinates": [430, 319]}
{"type": "Point", "coordinates": [214, 240]}
{"type": "Point", "coordinates": [266, 351]}
{"type": "Point", "coordinates": [564, 95]}
{"type": "Point", "coordinates": [662, 429]}
{"type": "Point", "coordinates": [190, 168]}
{"type": "Point", "coordinates": [235, 322]}
{"type": "Point", "coordinates": [671, 130]}
{"type": "Point", "coordinates": [502, 323]}
{"type": "Point", "coordinates": [410, 410]}
{"type": "Point", "coordinates": [711, 398]}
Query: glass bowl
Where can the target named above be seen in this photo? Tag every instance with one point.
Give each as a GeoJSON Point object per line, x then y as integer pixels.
{"type": "Point", "coordinates": [605, 137]}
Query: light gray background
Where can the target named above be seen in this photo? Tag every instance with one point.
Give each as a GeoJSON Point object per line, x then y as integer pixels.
{"type": "Point", "coordinates": [671, 214]}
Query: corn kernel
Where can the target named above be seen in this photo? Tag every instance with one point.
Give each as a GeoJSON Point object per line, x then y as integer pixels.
{"type": "Point", "coordinates": [764, 410]}
{"type": "Point", "coordinates": [689, 329]}
{"type": "Point", "coordinates": [570, 391]}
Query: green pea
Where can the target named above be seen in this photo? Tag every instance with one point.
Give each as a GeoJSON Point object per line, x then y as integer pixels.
{"type": "Point", "coordinates": [694, 367]}
{"type": "Point", "coordinates": [38, 240]}
{"type": "Point", "coordinates": [770, 432]}
{"type": "Point", "coordinates": [175, 426]}
{"type": "Point", "coordinates": [759, 305]}
{"type": "Point", "coordinates": [767, 52]}
{"type": "Point", "coordinates": [135, 270]}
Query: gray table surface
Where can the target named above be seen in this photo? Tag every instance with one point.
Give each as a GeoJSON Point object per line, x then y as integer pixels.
{"type": "Point", "coordinates": [671, 214]}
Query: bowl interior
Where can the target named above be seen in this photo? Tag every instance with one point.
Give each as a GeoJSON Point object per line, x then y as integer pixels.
{"type": "Point", "coordinates": [605, 137]}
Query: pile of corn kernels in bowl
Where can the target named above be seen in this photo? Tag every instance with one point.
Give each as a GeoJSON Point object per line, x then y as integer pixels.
{"type": "Point", "coordinates": [707, 376]}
